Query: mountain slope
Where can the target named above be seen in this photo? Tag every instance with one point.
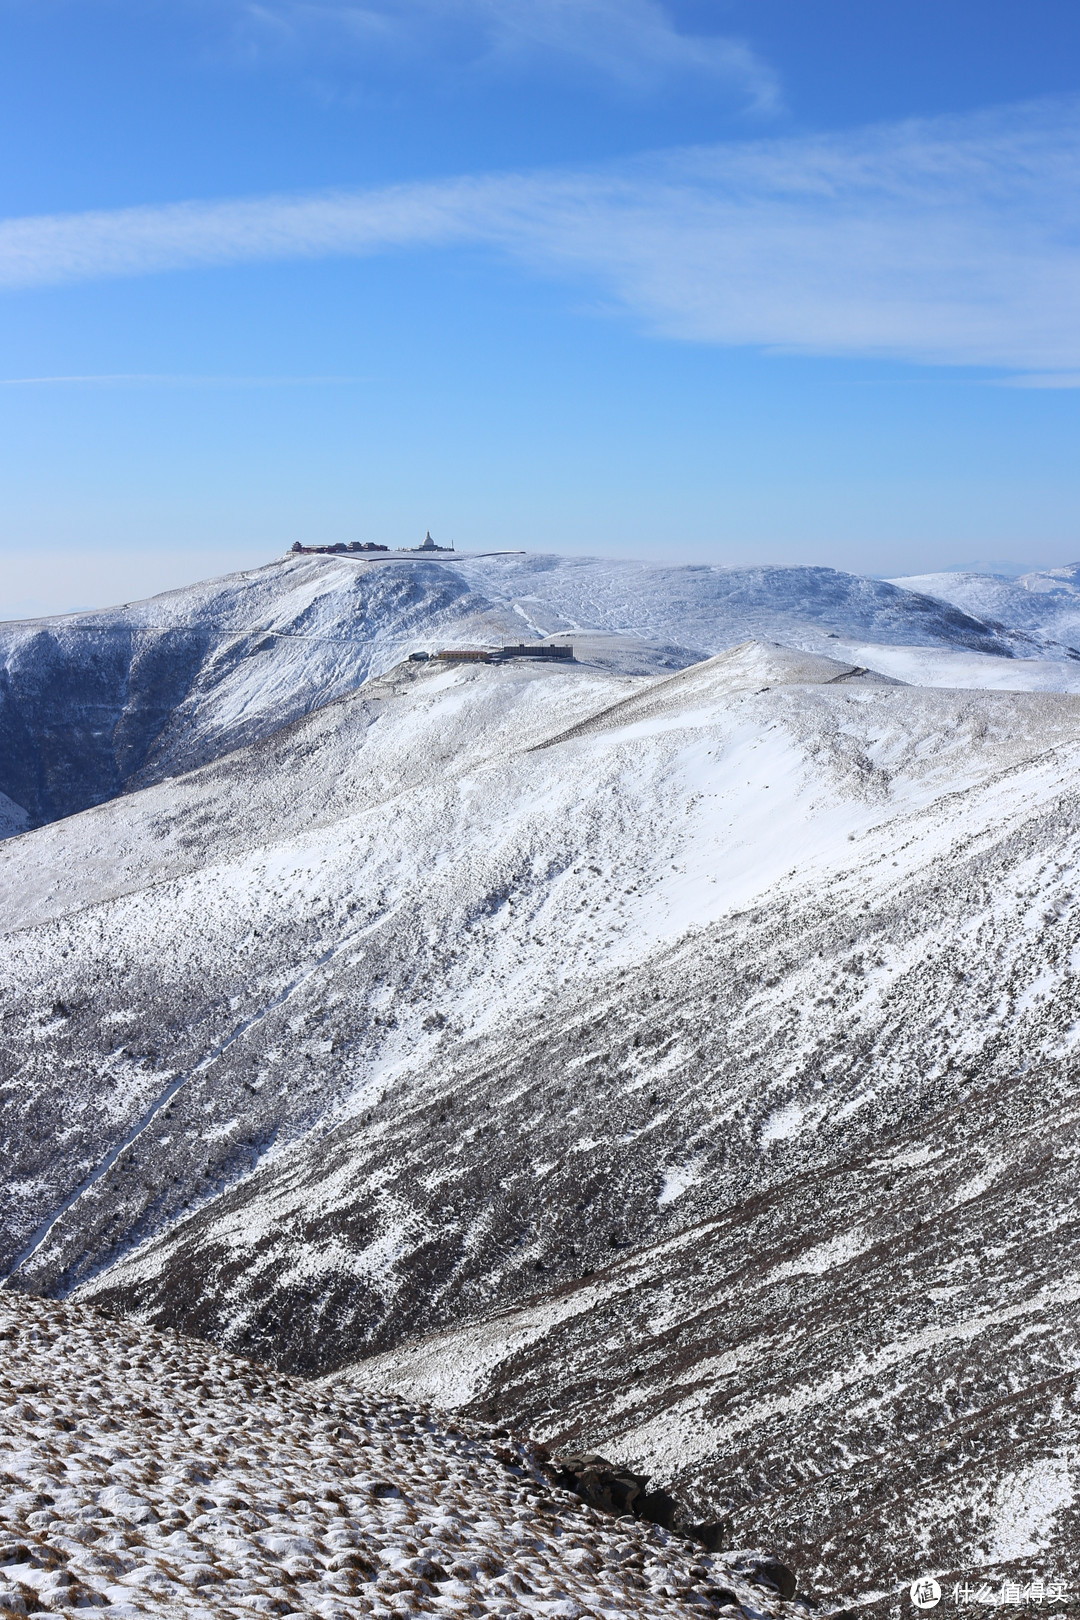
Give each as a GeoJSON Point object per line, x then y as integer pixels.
{"type": "Point", "coordinates": [712, 608]}
{"type": "Point", "coordinates": [93, 704]}
{"type": "Point", "coordinates": [169, 956]}
{"type": "Point", "coordinates": [196, 918]}
{"type": "Point", "coordinates": [215, 963]}
{"type": "Point", "coordinates": [148, 1475]}
{"type": "Point", "coordinates": [875, 1363]}
{"type": "Point", "coordinates": [831, 1125]}
{"type": "Point", "coordinates": [725, 952]}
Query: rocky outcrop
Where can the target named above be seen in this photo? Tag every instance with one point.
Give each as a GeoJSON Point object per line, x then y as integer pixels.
{"type": "Point", "coordinates": [620, 1491]}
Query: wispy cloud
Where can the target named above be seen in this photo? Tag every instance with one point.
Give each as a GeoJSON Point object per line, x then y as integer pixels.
{"type": "Point", "coordinates": [160, 379]}
{"type": "Point", "coordinates": [137, 241]}
{"type": "Point", "coordinates": [632, 42]}
{"type": "Point", "coordinates": [948, 242]}
{"type": "Point", "coordinates": [1042, 379]}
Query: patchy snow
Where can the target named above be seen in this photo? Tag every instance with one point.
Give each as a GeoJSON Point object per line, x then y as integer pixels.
{"type": "Point", "coordinates": [823, 1257]}
{"type": "Point", "coordinates": [146, 1474]}
{"type": "Point", "coordinates": [980, 1182]}
{"type": "Point", "coordinates": [678, 1181]}
{"type": "Point", "coordinates": [913, 1158]}
{"type": "Point", "coordinates": [785, 1123]}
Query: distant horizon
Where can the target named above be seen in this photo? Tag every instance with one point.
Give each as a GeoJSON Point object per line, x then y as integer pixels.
{"type": "Point", "coordinates": [48, 608]}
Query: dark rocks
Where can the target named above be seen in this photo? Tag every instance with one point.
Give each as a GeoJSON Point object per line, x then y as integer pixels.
{"type": "Point", "coordinates": [768, 1572]}
{"type": "Point", "coordinates": [613, 1489]}
{"type": "Point", "coordinates": [714, 1534]}
{"type": "Point", "coordinates": [601, 1483]}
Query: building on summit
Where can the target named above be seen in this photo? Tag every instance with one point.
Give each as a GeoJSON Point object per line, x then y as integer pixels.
{"type": "Point", "coordinates": [326, 551]}
{"type": "Point", "coordinates": [427, 548]}
{"type": "Point", "coordinates": [429, 544]}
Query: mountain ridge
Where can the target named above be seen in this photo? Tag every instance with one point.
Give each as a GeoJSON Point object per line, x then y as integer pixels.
{"type": "Point", "coordinates": [95, 704]}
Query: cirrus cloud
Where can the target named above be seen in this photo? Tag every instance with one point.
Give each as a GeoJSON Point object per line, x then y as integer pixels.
{"type": "Point", "coordinates": [943, 242]}
{"type": "Point", "coordinates": [634, 43]}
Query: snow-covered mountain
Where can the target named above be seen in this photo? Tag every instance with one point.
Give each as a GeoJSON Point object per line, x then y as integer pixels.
{"type": "Point", "coordinates": [95, 704]}
{"type": "Point", "coordinates": [679, 1065]}
{"type": "Point", "coordinates": [1045, 603]}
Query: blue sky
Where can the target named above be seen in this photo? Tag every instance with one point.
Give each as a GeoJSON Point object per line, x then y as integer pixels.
{"type": "Point", "coordinates": [780, 281]}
